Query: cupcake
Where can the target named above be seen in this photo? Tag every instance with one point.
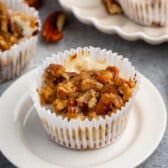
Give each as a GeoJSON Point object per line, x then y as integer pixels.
{"type": "Point", "coordinates": [146, 12]}
{"type": "Point", "coordinates": [83, 96]}
{"type": "Point", "coordinates": [19, 27]}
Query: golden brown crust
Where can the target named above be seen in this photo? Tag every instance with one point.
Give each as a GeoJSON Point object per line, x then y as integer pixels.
{"type": "Point", "coordinates": [54, 71]}
{"type": "Point", "coordinates": [109, 102]}
{"type": "Point", "coordinates": [89, 93]}
{"type": "Point", "coordinates": [71, 111]}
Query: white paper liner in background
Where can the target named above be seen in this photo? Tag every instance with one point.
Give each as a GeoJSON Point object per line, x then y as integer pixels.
{"type": "Point", "coordinates": [78, 134]}
{"type": "Point", "coordinates": [146, 12]}
{"type": "Point", "coordinates": [14, 60]}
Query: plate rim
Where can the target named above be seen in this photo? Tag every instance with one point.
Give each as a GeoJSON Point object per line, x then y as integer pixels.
{"type": "Point", "coordinates": [162, 132]}
{"type": "Point", "coordinates": [140, 35]}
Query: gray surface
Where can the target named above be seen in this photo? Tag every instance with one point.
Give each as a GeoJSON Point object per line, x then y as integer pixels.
{"type": "Point", "coordinates": [152, 61]}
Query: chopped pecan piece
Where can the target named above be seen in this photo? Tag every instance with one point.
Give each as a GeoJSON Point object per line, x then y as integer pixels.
{"type": "Point", "coordinates": [105, 77]}
{"type": "Point", "coordinates": [59, 105]}
{"type": "Point", "coordinates": [107, 102]}
{"type": "Point", "coordinates": [53, 26]}
{"type": "Point", "coordinates": [92, 102]}
{"type": "Point", "coordinates": [125, 90]}
{"type": "Point", "coordinates": [88, 84]}
{"type": "Point", "coordinates": [54, 70]}
{"type": "Point", "coordinates": [110, 88]}
{"type": "Point", "coordinates": [66, 89]}
{"type": "Point", "coordinates": [71, 112]}
{"type": "Point", "coordinates": [87, 99]}
{"type": "Point", "coordinates": [114, 70]}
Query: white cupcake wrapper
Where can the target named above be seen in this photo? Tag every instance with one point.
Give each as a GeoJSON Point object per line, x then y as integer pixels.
{"type": "Point", "coordinates": [78, 134]}
{"type": "Point", "coordinates": [14, 60]}
{"type": "Point", "coordinates": [146, 12]}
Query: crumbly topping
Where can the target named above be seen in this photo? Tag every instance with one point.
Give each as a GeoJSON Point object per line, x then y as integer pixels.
{"type": "Point", "coordinates": [14, 26]}
{"type": "Point", "coordinates": [87, 93]}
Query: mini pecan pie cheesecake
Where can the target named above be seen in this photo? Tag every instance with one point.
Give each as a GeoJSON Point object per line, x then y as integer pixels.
{"type": "Point", "coordinates": [146, 12]}
{"type": "Point", "coordinates": [83, 96]}
{"type": "Point", "coordinates": [19, 26]}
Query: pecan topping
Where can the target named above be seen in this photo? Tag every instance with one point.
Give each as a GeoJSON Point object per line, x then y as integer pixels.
{"type": "Point", "coordinates": [65, 89]}
{"type": "Point", "coordinates": [53, 26]}
{"type": "Point", "coordinates": [71, 112]}
{"type": "Point", "coordinates": [59, 105]}
{"type": "Point", "coordinates": [108, 102]}
{"type": "Point", "coordinates": [88, 93]}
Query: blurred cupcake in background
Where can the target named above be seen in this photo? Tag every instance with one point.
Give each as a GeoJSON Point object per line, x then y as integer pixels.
{"type": "Point", "coordinates": [19, 27]}
{"type": "Point", "coordinates": [146, 12]}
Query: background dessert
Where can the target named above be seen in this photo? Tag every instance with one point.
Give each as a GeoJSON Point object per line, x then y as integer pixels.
{"type": "Point", "coordinates": [149, 13]}
{"type": "Point", "coordinates": [19, 27]}
{"type": "Point", "coordinates": [146, 12]}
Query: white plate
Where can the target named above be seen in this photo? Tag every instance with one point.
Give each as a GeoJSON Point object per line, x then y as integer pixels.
{"type": "Point", "coordinates": [93, 12]}
{"type": "Point", "coordinates": [24, 142]}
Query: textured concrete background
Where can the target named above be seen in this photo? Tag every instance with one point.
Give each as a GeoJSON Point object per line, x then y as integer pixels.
{"type": "Point", "coordinates": [152, 61]}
